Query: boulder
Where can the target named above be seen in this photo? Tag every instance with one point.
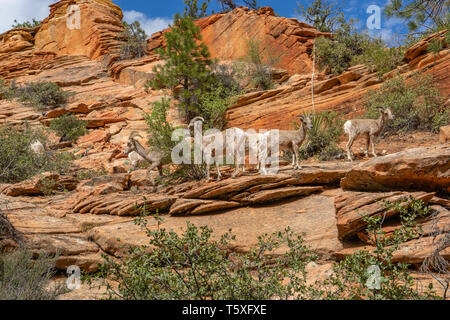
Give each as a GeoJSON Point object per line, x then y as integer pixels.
{"type": "Point", "coordinates": [425, 168]}
{"type": "Point", "coordinates": [353, 207]}
{"type": "Point", "coordinates": [124, 204]}
{"type": "Point", "coordinates": [314, 217]}
{"type": "Point", "coordinates": [47, 182]}
{"type": "Point", "coordinates": [444, 134]}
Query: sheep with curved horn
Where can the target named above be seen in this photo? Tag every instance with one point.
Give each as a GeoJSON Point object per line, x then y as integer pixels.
{"type": "Point", "coordinates": [153, 157]}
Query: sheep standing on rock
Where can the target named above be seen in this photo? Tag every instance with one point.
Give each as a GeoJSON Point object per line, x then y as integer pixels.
{"type": "Point", "coordinates": [155, 158]}
{"type": "Point", "coordinates": [287, 140]}
{"type": "Point", "coordinates": [369, 127]}
{"type": "Point", "coordinates": [135, 159]}
{"type": "Point", "coordinates": [232, 141]}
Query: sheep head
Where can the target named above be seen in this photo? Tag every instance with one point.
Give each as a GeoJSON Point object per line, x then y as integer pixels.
{"type": "Point", "coordinates": [193, 121]}
{"type": "Point", "coordinates": [306, 121]}
{"type": "Point", "coordinates": [131, 144]}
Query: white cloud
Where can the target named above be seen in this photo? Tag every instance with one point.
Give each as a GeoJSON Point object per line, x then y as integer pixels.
{"type": "Point", "coordinates": [22, 10]}
{"type": "Point", "coordinates": [150, 25]}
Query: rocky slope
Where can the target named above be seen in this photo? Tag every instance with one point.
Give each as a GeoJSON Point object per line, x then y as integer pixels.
{"type": "Point", "coordinates": [323, 200]}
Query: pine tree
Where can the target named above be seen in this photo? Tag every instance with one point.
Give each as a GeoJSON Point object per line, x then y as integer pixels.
{"type": "Point", "coordinates": [187, 69]}
{"type": "Point", "coordinates": [193, 10]}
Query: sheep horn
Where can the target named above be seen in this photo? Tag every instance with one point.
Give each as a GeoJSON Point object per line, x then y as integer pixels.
{"type": "Point", "coordinates": [191, 124]}
{"type": "Point", "coordinates": [134, 134]}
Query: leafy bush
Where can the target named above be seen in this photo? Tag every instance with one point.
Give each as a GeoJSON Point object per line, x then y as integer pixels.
{"type": "Point", "coordinates": [39, 95]}
{"type": "Point", "coordinates": [214, 102]}
{"type": "Point", "coordinates": [135, 41]}
{"type": "Point", "coordinates": [18, 162]}
{"type": "Point", "coordinates": [323, 137]}
{"type": "Point", "coordinates": [416, 104]}
{"type": "Point", "coordinates": [27, 24]}
{"type": "Point", "coordinates": [69, 127]}
{"type": "Point", "coordinates": [6, 92]}
{"type": "Point", "coordinates": [379, 58]}
{"type": "Point", "coordinates": [261, 64]}
{"type": "Point", "coordinates": [23, 278]}
{"type": "Point", "coordinates": [333, 56]}
{"type": "Point", "coordinates": [160, 137]}
{"type": "Point", "coordinates": [353, 280]}
{"type": "Point", "coordinates": [195, 265]}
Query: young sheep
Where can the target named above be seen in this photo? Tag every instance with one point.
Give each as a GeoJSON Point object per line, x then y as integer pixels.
{"type": "Point", "coordinates": [231, 144]}
{"type": "Point", "coordinates": [369, 127]}
{"type": "Point", "coordinates": [134, 159]}
{"type": "Point", "coordinates": [287, 140]}
{"type": "Point", "coordinates": [153, 157]}
{"type": "Point", "coordinates": [37, 147]}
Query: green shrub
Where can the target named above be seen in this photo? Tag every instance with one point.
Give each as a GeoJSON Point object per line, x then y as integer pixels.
{"type": "Point", "coordinates": [323, 137]}
{"type": "Point", "coordinates": [22, 278]}
{"type": "Point", "coordinates": [18, 162]}
{"type": "Point", "coordinates": [160, 137]}
{"type": "Point", "coordinates": [39, 95]}
{"type": "Point", "coordinates": [214, 102]}
{"type": "Point", "coordinates": [416, 105]}
{"type": "Point", "coordinates": [69, 127]}
{"type": "Point", "coordinates": [332, 55]}
{"type": "Point", "coordinates": [6, 92]}
{"type": "Point", "coordinates": [351, 278]}
{"type": "Point", "coordinates": [91, 173]}
{"type": "Point", "coordinates": [195, 265]}
{"type": "Point", "coordinates": [135, 40]}
{"type": "Point", "coordinates": [379, 58]}
{"type": "Point", "coordinates": [261, 62]}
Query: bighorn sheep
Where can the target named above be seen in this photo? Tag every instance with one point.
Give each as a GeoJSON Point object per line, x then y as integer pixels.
{"type": "Point", "coordinates": [153, 157]}
{"type": "Point", "coordinates": [134, 159]}
{"type": "Point", "coordinates": [232, 140]}
{"type": "Point", "coordinates": [37, 147]}
{"type": "Point", "coordinates": [287, 140]}
{"type": "Point", "coordinates": [369, 127]}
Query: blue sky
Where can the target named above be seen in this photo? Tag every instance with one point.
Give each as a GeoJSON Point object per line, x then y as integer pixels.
{"type": "Point", "coordinates": [155, 15]}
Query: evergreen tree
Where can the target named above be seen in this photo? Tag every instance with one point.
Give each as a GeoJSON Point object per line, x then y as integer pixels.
{"type": "Point", "coordinates": [325, 15]}
{"type": "Point", "coordinates": [193, 10]}
{"type": "Point", "coordinates": [187, 69]}
{"type": "Point", "coordinates": [420, 14]}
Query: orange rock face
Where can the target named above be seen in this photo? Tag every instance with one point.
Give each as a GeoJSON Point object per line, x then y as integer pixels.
{"type": "Point", "coordinates": [92, 33]}
{"type": "Point", "coordinates": [227, 34]}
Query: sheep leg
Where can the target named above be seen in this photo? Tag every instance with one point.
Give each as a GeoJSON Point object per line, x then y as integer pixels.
{"type": "Point", "coordinates": [349, 148]}
{"type": "Point", "coordinates": [156, 165]}
{"type": "Point", "coordinates": [208, 173]}
{"type": "Point", "coordinates": [372, 141]}
{"type": "Point", "coordinates": [219, 175]}
{"type": "Point", "coordinates": [297, 156]}
{"type": "Point", "coordinates": [237, 163]}
{"type": "Point", "coordinates": [367, 145]}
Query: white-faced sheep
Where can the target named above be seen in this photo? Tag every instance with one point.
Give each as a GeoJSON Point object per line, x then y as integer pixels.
{"type": "Point", "coordinates": [371, 128]}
